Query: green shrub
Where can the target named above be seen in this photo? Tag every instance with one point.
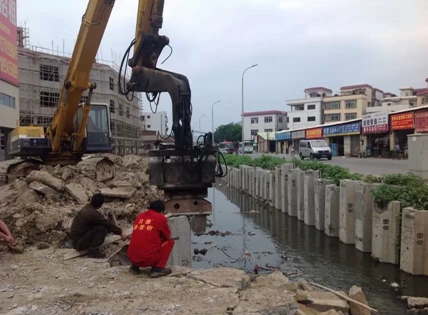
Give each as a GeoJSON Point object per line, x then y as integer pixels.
{"type": "Point", "coordinates": [332, 172]}
{"type": "Point", "coordinates": [409, 189]}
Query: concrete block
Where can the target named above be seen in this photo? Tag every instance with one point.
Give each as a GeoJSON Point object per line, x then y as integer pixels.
{"type": "Point", "coordinates": [278, 186]}
{"type": "Point", "coordinates": [347, 211]}
{"type": "Point", "coordinates": [301, 196]}
{"type": "Point", "coordinates": [319, 203]}
{"type": "Point", "coordinates": [251, 179]}
{"type": "Point", "coordinates": [284, 185]}
{"type": "Point", "coordinates": [264, 186]}
{"type": "Point", "coordinates": [309, 196]}
{"type": "Point", "coordinates": [385, 238]}
{"type": "Point", "coordinates": [364, 216]}
{"type": "Point", "coordinates": [414, 241]}
{"type": "Point", "coordinates": [254, 182]}
{"type": "Point", "coordinates": [272, 187]}
{"type": "Point", "coordinates": [332, 201]}
{"type": "Point", "coordinates": [292, 190]}
{"type": "Point", "coordinates": [240, 171]}
{"type": "Point", "coordinates": [182, 252]}
{"type": "Point", "coordinates": [259, 173]}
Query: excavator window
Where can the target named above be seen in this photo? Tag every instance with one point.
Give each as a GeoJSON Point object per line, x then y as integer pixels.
{"type": "Point", "coordinates": [98, 138]}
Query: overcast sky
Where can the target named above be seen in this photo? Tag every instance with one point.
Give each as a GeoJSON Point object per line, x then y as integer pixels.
{"type": "Point", "coordinates": [296, 44]}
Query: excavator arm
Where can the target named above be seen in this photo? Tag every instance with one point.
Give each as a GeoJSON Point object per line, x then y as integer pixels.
{"type": "Point", "coordinates": [184, 171]}
{"type": "Point", "coordinates": [63, 128]}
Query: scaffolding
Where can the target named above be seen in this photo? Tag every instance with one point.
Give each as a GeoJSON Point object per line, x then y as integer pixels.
{"type": "Point", "coordinates": [42, 72]}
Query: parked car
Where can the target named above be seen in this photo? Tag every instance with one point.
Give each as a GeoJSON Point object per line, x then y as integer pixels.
{"type": "Point", "coordinates": [223, 150]}
{"type": "Point", "coordinates": [314, 149]}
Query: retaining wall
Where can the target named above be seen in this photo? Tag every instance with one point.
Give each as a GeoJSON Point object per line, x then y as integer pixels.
{"type": "Point", "coordinates": [347, 211]}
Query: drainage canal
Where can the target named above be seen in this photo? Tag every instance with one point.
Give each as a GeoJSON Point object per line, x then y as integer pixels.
{"type": "Point", "coordinates": [245, 233]}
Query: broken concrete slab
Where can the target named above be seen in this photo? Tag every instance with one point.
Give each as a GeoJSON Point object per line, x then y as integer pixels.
{"type": "Point", "coordinates": [45, 178]}
{"type": "Point", "coordinates": [120, 192]}
{"type": "Point", "coordinates": [275, 279]}
{"type": "Point", "coordinates": [325, 301]}
{"type": "Point", "coordinates": [417, 302]}
{"type": "Point", "coordinates": [90, 185]}
{"type": "Point", "coordinates": [78, 192]}
{"type": "Point", "coordinates": [302, 284]}
{"type": "Point", "coordinates": [44, 190]}
{"type": "Point", "coordinates": [266, 301]}
{"type": "Point", "coordinates": [222, 277]}
{"type": "Point", "coordinates": [125, 183]}
{"type": "Point", "coordinates": [357, 294]}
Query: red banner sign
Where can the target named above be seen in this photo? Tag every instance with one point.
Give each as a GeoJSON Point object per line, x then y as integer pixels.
{"type": "Point", "coordinates": [315, 133]}
{"type": "Point", "coordinates": [402, 121]}
{"type": "Point", "coordinates": [421, 121]}
{"type": "Point", "coordinates": [8, 42]}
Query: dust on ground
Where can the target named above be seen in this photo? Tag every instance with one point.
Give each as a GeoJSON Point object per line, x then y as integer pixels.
{"type": "Point", "coordinates": [41, 282]}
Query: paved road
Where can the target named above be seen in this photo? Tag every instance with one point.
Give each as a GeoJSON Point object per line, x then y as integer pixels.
{"type": "Point", "coordinates": [364, 166]}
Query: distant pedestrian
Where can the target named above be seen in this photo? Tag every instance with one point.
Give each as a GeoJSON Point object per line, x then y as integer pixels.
{"type": "Point", "coordinates": [397, 150]}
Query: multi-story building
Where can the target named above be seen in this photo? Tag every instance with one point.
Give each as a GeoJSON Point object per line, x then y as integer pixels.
{"type": "Point", "coordinates": [307, 111]}
{"type": "Point", "coordinates": [9, 76]}
{"type": "Point", "coordinates": [263, 121]}
{"type": "Point", "coordinates": [42, 75]}
{"type": "Point", "coordinates": [352, 103]}
{"type": "Point", "coordinates": [155, 122]}
{"type": "Point", "coordinates": [391, 102]}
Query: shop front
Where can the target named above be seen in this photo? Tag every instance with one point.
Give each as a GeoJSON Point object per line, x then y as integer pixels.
{"type": "Point", "coordinates": [314, 133]}
{"type": "Point", "coordinates": [283, 141]}
{"type": "Point", "coordinates": [344, 139]}
{"type": "Point", "coordinates": [376, 128]}
{"type": "Point", "coordinates": [402, 124]}
{"type": "Point", "coordinates": [296, 136]}
{"type": "Point", "coordinates": [421, 121]}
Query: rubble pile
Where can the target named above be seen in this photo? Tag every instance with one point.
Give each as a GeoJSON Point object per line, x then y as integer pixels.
{"type": "Point", "coordinates": [38, 208]}
{"type": "Point", "coordinates": [45, 284]}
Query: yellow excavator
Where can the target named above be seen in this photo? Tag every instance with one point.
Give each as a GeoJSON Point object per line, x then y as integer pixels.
{"type": "Point", "coordinates": [184, 170]}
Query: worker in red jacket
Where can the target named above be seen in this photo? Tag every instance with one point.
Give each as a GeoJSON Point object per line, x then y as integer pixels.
{"type": "Point", "coordinates": [151, 242]}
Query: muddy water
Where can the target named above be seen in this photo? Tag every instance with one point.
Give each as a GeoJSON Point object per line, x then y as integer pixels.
{"type": "Point", "coordinates": [271, 238]}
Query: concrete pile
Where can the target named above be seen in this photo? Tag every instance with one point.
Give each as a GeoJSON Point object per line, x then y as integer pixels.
{"type": "Point", "coordinates": [39, 207]}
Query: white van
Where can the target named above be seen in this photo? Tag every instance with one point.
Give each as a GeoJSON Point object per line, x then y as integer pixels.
{"type": "Point", "coordinates": [314, 149]}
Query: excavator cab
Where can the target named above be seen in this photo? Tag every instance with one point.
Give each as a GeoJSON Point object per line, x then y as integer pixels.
{"type": "Point", "coordinates": [98, 134]}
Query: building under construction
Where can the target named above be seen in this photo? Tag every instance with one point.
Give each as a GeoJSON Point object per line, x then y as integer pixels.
{"type": "Point", "coordinates": [41, 75]}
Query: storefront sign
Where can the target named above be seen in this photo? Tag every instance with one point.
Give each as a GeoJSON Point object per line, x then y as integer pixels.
{"type": "Point", "coordinates": [342, 130]}
{"type": "Point", "coordinates": [315, 133]}
{"type": "Point", "coordinates": [298, 134]}
{"type": "Point", "coordinates": [283, 135]}
{"type": "Point", "coordinates": [375, 123]}
{"type": "Point", "coordinates": [402, 121]}
{"type": "Point", "coordinates": [421, 121]}
{"type": "Point", "coordinates": [8, 40]}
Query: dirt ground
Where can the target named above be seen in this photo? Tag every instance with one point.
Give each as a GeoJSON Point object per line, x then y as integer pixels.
{"type": "Point", "coordinates": [40, 282]}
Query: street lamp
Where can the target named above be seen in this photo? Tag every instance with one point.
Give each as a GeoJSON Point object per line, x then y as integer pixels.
{"type": "Point", "coordinates": [242, 86]}
{"type": "Point", "coordinates": [212, 118]}
{"type": "Point", "coordinates": [200, 122]}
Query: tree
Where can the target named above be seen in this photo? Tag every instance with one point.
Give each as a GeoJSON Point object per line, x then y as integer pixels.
{"type": "Point", "coordinates": [229, 132]}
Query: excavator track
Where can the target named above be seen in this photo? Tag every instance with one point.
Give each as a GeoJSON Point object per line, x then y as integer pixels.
{"type": "Point", "coordinates": [98, 168]}
{"type": "Point", "coordinates": [12, 169]}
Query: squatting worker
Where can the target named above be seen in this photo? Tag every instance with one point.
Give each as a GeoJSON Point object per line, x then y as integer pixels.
{"type": "Point", "coordinates": [90, 228]}
{"type": "Point", "coordinates": [151, 242]}
{"type": "Point", "coordinates": [5, 234]}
